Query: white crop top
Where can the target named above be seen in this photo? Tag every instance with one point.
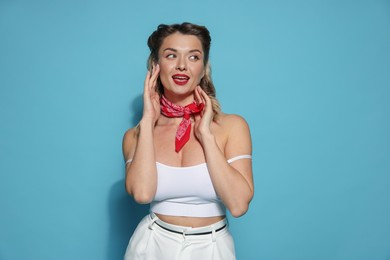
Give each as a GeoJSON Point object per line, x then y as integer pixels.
{"type": "Point", "coordinates": [187, 191]}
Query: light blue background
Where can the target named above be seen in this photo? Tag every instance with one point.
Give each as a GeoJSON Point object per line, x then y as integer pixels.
{"type": "Point", "coordinates": [312, 78]}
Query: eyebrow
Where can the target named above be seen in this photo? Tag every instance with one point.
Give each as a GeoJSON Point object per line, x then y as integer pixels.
{"type": "Point", "coordinates": [174, 50]}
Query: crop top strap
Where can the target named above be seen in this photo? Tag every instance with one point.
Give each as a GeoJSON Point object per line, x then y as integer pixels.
{"type": "Point", "coordinates": [244, 156]}
{"type": "Point", "coordinates": [129, 161]}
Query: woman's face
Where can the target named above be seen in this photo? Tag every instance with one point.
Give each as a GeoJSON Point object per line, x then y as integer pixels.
{"type": "Point", "coordinates": [181, 60]}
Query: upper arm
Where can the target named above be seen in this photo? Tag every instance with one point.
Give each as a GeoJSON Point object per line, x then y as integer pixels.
{"type": "Point", "coordinates": [129, 143]}
{"type": "Point", "coordinates": [238, 138]}
{"type": "Point", "coordinates": [239, 143]}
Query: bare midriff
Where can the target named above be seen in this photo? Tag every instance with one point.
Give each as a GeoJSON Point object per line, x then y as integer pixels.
{"type": "Point", "coordinates": [190, 221]}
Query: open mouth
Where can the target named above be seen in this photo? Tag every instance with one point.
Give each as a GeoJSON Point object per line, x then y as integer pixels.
{"type": "Point", "coordinates": [180, 79]}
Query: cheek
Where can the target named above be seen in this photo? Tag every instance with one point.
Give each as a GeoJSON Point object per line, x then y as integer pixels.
{"type": "Point", "coordinates": [164, 68]}
{"type": "Point", "coordinates": [201, 72]}
{"type": "Point", "coordinates": [164, 74]}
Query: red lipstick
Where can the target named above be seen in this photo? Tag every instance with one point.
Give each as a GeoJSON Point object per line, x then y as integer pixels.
{"type": "Point", "coordinates": [180, 79]}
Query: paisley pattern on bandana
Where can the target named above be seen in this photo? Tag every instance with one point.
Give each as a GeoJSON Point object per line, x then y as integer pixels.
{"type": "Point", "coordinates": [172, 110]}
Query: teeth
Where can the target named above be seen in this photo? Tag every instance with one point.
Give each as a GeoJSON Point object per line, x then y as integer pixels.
{"type": "Point", "coordinates": [181, 78]}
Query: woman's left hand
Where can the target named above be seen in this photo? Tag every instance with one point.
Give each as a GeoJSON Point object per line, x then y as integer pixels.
{"type": "Point", "coordinates": [203, 120]}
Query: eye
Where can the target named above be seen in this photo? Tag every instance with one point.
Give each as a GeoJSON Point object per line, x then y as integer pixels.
{"type": "Point", "coordinates": [194, 57]}
{"type": "Point", "coordinates": [170, 56]}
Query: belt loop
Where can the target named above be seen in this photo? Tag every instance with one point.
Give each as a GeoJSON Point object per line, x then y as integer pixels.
{"type": "Point", "coordinates": [153, 220]}
{"type": "Point", "coordinates": [213, 233]}
{"type": "Point", "coordinates": [184, 234]}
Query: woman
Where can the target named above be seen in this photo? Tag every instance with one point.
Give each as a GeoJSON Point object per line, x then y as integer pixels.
{"type": "Point", "coordinates": [186, 158]}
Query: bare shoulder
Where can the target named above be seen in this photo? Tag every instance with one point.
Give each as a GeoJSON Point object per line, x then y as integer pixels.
{"type": "Point", "coordinates": [129, 142]}
{"type": "Point", "coordinates": [232, 123]}
{"type": "Point", "coordinates": [237, 132]}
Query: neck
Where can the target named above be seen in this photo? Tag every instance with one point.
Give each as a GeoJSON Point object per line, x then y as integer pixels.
{"type": "Point", "coordinates": [180, 100]}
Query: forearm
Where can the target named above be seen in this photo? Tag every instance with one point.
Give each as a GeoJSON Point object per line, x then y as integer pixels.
{"type": "Point", "coordinates": [230, 185]}
{"type": "Point", "coordinates": [141, 173]}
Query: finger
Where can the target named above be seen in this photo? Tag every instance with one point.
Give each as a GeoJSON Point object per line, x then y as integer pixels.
{"type": "Point", "coordinates": [205, 97]}
{"type": "Point", "coordinates": [197, 95]}
{"type": "Point", "coordinates": [155, 72]}
{"type": "Point", "coordinates": [146, 82]}
{"type": "Point", "coordinates": [197, 117]}
{"type": "Point", "coordinates": [154, 76]}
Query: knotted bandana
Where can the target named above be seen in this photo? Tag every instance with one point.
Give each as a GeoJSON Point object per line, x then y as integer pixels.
{"type": "Point", "coordinates": [172, 110]}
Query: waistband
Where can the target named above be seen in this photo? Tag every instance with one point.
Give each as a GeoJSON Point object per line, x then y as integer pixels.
{"type": "Point", "coordinates": [187, 231]}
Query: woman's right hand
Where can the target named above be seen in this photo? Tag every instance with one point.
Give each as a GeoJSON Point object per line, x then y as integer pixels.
{"type": "Point", "coordinates": [151, 109]}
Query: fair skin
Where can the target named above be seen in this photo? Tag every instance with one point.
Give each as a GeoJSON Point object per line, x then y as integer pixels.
{"type": "Point", "coordinates": [211, 141]}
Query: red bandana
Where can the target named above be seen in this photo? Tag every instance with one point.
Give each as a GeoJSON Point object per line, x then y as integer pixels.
{"type": "Point", "coordinates": [172, 110]}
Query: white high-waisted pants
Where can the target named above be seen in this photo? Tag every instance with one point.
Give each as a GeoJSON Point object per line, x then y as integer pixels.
{"type": "Point", "coordinates": [150, 241]}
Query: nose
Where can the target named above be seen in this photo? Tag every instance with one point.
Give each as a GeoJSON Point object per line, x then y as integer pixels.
{"type": "Point", "coordinates": [181, 64]}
